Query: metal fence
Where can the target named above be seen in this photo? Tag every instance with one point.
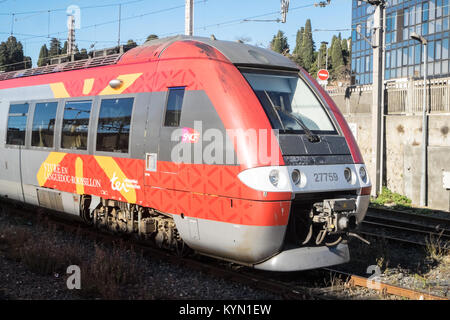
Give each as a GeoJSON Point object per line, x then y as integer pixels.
{"type": "Point", "coordinates": [406, 97]}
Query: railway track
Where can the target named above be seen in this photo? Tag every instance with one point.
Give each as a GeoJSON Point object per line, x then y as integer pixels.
{"type": "Point", "coordinates": [300, 286]}
{"type": "Point", "coordinates": [406, 227]}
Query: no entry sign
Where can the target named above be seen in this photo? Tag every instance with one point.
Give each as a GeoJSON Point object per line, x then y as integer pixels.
{"type": "Point", "coordinates": [323, 74]}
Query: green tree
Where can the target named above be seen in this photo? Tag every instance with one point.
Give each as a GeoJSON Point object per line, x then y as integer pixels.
{"type": "Point", "coordinates": [345, 51]}
{"type": "Point", "coordinates": [55, 48]}
{"type": "Point", "coordinates": [64, 48]}
{"type": "Point", "coordinates": [43, 56]}
{"type": "Point", "coordinates": [80, 55]}
{"type": "Point", "coordinates": [28, 62]}
{"type": "Point", "coordinates": [279, 43]}
{"type": "Point", "coordinates": [11, 55]}
{"type": "Point", "coordinates": [298, 41]}
{"type": "Point", "coordinates": [307, 49]}
{"type": "Point", "coordinates": [322, 56]}
{"type": "Point", "coordinates": [337, 58]}
{"type": "Point", "coordinates": [152, 37]}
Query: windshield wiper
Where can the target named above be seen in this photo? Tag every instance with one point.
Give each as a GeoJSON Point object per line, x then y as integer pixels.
{"type": "Point", "coordinates": [311, 136]}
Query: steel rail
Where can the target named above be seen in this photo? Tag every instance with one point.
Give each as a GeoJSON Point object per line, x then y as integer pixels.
{"type": "Point", "coordinates": [408, 216]}
{"type": "Point", "coordinates": [355, 280]}
{"type": "Point", "coordinates": [287, 291]}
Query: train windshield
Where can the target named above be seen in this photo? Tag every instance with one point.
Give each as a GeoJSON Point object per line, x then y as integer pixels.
{"type": "Point", "coordinates": [289, 103]}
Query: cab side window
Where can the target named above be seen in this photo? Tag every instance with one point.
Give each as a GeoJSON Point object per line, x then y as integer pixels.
{"type": "Point", "coordinates": [173, 107]}
{"type": "Point", "coordinates": [17, 124]}
{"type": "Point", "coordinates": [44, 124]}
{"type": "Point", "coordinates": [75, 125]}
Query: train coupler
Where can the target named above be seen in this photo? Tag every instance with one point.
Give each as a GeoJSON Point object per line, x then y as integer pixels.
{"type": "Point", "coordinates": [336, 215]}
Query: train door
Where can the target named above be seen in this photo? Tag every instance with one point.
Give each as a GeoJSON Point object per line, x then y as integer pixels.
{"type": "Point", "coordinates": [14, 119]}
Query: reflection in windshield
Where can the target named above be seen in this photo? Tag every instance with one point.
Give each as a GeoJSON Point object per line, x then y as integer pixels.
{"type": "Point", "coordinates": [285, 98]}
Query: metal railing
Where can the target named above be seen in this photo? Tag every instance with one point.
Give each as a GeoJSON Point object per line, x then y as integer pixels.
{"type": "Point", "coordinates": [405, 97]}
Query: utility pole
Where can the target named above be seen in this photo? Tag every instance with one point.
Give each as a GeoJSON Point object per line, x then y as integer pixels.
{"type": "Point", "coordinates": [120, 18]}
{"type": "Point", "coordinates": [71, 36]}
{"type": "Point", "coordinates": [189, 18]}
{"type": "Point", "coordinates": [423, 176]}
{"type": "Point", "coordinates": [12, 23]}
{"type": "Point", "coordinates": [377, 92]}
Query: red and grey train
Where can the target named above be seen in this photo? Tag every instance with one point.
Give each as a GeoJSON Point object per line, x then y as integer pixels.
{"type": "Point", "coordinates": [228, 149]}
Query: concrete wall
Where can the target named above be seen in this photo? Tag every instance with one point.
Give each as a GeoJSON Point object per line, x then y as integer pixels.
{"type": "Point", "coordinates": [403, 138]}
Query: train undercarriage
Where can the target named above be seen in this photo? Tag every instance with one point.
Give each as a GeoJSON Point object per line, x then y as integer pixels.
{"type": "Point", "coordinates": [146, 223]}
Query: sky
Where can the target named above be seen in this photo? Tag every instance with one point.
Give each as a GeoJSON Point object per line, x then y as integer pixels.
{"type": "Point", "coordinates": [35, 22]}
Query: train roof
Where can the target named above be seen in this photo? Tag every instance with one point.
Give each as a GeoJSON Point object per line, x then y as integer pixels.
{"type": "Point", "coordinates": [236, 52]}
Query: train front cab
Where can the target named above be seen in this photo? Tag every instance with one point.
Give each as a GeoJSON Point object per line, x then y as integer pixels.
{"type": "Point", "coordinates": [323, 170]}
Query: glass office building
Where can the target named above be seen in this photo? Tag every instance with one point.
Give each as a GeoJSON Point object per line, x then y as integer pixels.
{"type": "Point", "coordinates": [403, 56]}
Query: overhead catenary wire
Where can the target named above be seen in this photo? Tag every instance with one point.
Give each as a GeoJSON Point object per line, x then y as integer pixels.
{"type": "Point", "coordinates": [64, 9]}
{"type": "Point", "coordinates": [204, 27]}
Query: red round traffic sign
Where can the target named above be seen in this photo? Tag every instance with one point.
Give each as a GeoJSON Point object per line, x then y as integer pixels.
{"type": "Point", "coordinates": [323, 74]}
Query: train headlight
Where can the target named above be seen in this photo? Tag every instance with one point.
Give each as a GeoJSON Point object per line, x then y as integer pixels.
{"type": "Point", "coordinates": [274, 177]}
{"type": "Point", "coordinates": [363, 174]}
{"type": "Point", "coordinates": [348, 175]}
{"type": "Point", "coordinates": [296, 177]}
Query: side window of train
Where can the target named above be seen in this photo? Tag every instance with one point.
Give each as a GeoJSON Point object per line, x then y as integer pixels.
{"type": "Point", "coordinates": [17, 124]}
{"type": "Point", "coordinates": [173, 107]}
{"type": "Point", "coordinates": [114, 121]}
{"type": "Point", "coordinates": [44, 124]}
{"type": "Point", "coordinates": [76, 124]}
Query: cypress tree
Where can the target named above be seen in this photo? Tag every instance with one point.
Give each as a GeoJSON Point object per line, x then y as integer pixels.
{"type": "Point", "coordinates": [279, 43]}
{"type": "Point", "coordinates": [345, 52]}
{"type": "Point", "coordinates": [337, 58]}
{"type": "Point", "coordinates": [3, 56]}
{"type": "Point", "coordinates": [55, 48]}
{"type": "Point", "coordinates": [307, 49]}
{"type": "Point", "coordinates": [64, 48]}
{"type": "Point", "coordinates": [298, 41]}
{"type": "Point", "coordinates": [43, 55]}
{"type": "Point", "coordinates": [322, 56]}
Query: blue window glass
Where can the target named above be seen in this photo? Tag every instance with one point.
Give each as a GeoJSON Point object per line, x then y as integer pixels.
{"type": "Point", "coordinates": [431, 27]}
{"type": "Point", "coordinates": [17, 124]}
{"type": "Point", "coordinates": [406, 17]}
{"type": "Point", "coordinates": [393, 59]}
{"type": "Point", "coordinates": [430, 51]}
{"type": "Point", "coordinates": [405, 56]}
{"type": "Point", "coordinates": [425, 12]}
{"type": "Point", "coordinates": [438, 25]}
{"type": "Point", "coordinates": [76, 124]}
{"type": "Point", "coordinates": [113, 131]}
{"type": "Point", "coordinates": [388, 59]}
{"type": "Point", "coordinates": [445, 49]}
{"type": "Point", "coordinates": [44, 124]}
{"type": "Point", "coordinates": [417, 54]}
{"type": "Point", "coordinates": [418, 13]}
{"type": "Point", "coordinates": [432, 10]}
{"type": "Point", "coordinates": [438, 49]}
{"type": "Point", "coordinates": [411, 55]}
{"type": "Point", "coordinates": [174, 106]}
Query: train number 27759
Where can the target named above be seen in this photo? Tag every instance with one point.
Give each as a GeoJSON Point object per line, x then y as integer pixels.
{"type": "Point", "coordinates": [326, 177]}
